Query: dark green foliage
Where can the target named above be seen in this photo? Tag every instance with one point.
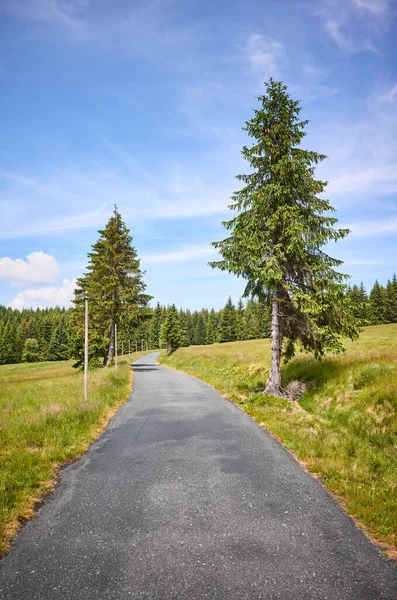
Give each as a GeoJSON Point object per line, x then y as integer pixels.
{"type": "Point", "coordinates": [59, 344]}
{"type": "Point", "coordinates": [184, 327]}
{"type": "Point", "coordinates": [10, 353]}
{"type": "Point", "coordinates": [115, 290]}
{"type": "Point", "coordinates": [275, 241]}
{"type": "Point", "coordinates": [170, 333]}
{"type": "Point", "coordinates": [359, 300]}
{"type": "Point", "coordinates": [240, 333]}
{"type": "Point", "coordinates": [18, 326]}
{"type": "Point", "coordinates": [211, 327]}
{"type": "Point", "coordinates": [391, 300]}
{"type": "Point", "coordinates": [31, 351]}
{"type": "Point", "coordinates": [252, 318]}
{"type": "Point", "coordinates": [154, 329]}
{"type": "Point", "coordinates": [199, 334]}
{"type": "Point", "coordinates": [228, 323]}
{"type": "Point", "coordinates": [378, 305]}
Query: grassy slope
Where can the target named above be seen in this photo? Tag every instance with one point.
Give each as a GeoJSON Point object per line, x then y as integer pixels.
{"type": "Point", "coordinates": [44, 422]}
{"type": "Point", "coordinates": [345, 427]}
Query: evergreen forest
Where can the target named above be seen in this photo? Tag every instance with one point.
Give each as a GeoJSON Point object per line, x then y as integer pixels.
{"type": "Point", "coordinates": [45, 334]}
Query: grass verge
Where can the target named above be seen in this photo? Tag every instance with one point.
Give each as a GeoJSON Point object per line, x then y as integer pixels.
{"type": "Point", "coordinates": [344, 429]}
{"type": "Point", "coordinates": [44, 423]}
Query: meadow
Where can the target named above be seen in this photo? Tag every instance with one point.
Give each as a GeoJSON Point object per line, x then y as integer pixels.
{"type": "Point", "coordinates": [45, 423]}
{"type": "Point", "coordinates": [344, 428]}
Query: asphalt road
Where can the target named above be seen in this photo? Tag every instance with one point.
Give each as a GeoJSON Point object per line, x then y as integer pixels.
{"type": "Point", "coordinates": [185, 497]}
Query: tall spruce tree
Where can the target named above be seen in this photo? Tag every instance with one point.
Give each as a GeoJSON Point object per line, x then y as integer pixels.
{"type": "Point", "coordinates": [240, 334]}
{"type": "Point", "coordinates": [275, 241]}
{"type": "Point", "coordinates": [59, 344]}
{"type": "Point", "coordinates": [183, 328]}
{"type": "Point", "coordinates": [378, 305]}
{"type": "Point", "coordinates": [391, 300]}
{"type": "Point", "coordinates": [200, 330]}
{"type": "Point", "coordinates": [170, 335]}
{"type": "Point", "coordinates": [114, 287]}
{"type": "Point", "coordinates": [227, 331]}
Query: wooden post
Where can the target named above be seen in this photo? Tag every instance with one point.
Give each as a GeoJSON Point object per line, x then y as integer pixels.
{"type": "Point", "coordinates": [115, 345]}
{"type": "Point", "coordinates": [86, 351]}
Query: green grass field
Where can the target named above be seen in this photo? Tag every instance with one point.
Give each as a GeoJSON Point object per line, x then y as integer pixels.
{"type": "Point", "coordinates": [344, 429]}
{"type": "Point", "coordinates": [44, 423]}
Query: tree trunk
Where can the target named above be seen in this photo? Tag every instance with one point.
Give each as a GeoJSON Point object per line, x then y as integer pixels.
{"type": "Point", "coordinates": [110, 354]}
{"type": "Point", "coordinates": [169, 349]}
{"type": "Point", "coordinates": [273, 384]}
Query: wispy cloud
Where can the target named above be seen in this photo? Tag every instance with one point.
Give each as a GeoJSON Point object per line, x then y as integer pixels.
{"type": "Point", "coordinates": [364, 262]}
{"type": "Point", "coordinates": [355, 25]}
{"type": "Point", "coordinates": [380, 178]}
{"type": "Point", "coordinates": [375, 7]}
{"type": "Point", "coordinates": [140, 29]}
{"type": "Point", "coordinates": [188, 254]}
{"type": "Point", "coordinates": [33, 227]}
{"type": "Point", "coordinates": [174, 192]}
{"type": "Point", "coordinates": [61, 14]}
{"type": "Point", "coordinates": [265, 55]}
{"type": "Point", "coordinates": [374, 228]}
{"type": "Point", "coordinates": [390, 96]}
{"type": "Point", "coordinates": [361, 165]}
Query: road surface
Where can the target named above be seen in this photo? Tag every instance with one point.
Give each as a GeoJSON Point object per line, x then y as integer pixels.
{"type": "Point", "coordinates": [185, 497]}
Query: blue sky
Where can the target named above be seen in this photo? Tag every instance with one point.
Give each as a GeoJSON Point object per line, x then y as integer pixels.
{"type": "Point", "coordinates": [142, 104]}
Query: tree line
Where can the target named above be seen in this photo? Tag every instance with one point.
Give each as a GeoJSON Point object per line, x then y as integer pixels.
{"type": "Point", "coordinates": [34, 335]}
{"type": "Point", "coordinates": [377, 307]}
{"type": "Point", "coordinates": [46, 334]}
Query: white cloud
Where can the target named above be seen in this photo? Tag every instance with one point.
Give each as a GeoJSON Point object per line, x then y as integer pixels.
{"type": "Point", "coordinates": [361, 150]}
{"type": "Point", "coordinates": [364, 262]}
{"type": "Point", "coordinates": [390, 96]}
{"type": "Point", "coordinates": [38, 268]}
{"type": "Point", "coordinates": [180, 256]}
{"type": "Point", "coordinates": [175, 191]}
{"type": "Point", "coordinates": [265, 55]}
{"type": "Point", "coordinates": [139, 28]}
{"type": "Point", "coordinates": [74, 222]}
{"type": "Point", "coordinates": [375, 7]}
{"type": "Point", "coordinates": [46, 296]}
{"type": "Point", "coordinates": [51, 11]}
{"type": "Point", "coordinates": [374, 228]}
{"type": "Point", "coordinates": [380, 178]}
{"type": "Point", "coordinates": [354, 25]}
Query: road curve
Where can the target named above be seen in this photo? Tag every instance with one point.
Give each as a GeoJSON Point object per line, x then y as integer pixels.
{"type": "Point", "coordinates": [185, 497]}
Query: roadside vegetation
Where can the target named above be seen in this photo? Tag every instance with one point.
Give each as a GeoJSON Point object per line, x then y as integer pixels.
{"type": "Point", "coordinates": [44, 423]}
{"type": "Point", "coordinates": [344, 428]}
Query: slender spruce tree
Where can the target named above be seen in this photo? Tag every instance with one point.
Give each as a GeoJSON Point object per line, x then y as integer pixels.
{"type": "Point", "coordinates": [59, 344]}
{"type": "Point", "coordinates": [276, 239]}
{"type": "Point", "coordinates": [114, 287]}
{"type": "Point", "coordinates": [227, 331]}
{"type": "Point", "coordinates": [170, 337]}
{"type": "Point", "coordinates": [378, 304]}
{"type": "Point", "coordinates": [391, 300]}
